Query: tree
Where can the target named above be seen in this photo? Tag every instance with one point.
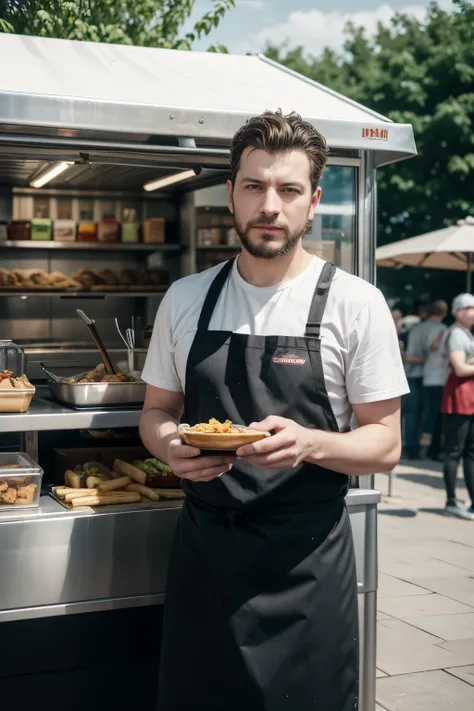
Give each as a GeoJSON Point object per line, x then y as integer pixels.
{"type": "Point", "coordinates": [417, 73]}
{"type": "Point", "coordinates": [149, 23]}
{"type": "Point", "coordinates": [463, 5]}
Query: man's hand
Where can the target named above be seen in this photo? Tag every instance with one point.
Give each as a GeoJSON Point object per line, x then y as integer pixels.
{"type": "Point", "coordinates": [287, 448]}
{"type": "Point", "coordinates": [186, 463]}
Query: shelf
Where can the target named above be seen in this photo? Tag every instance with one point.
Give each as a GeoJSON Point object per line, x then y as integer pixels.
{"type": "Point", "coordinates": [218, 247]}
{"type": "Point", "coordinates": [83, 294]}
{"type": "Point", "coordinates": [99, 246]}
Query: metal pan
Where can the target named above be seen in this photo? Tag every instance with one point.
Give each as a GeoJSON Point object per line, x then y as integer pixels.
{"type": "Point", "coordinates": [96, 395]}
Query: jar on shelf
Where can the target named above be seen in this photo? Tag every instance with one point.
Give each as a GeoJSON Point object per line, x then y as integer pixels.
{"type": "Point", "coordinates": [12, 358]}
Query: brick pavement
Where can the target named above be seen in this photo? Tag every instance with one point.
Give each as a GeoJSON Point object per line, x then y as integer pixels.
{"type": "Point", "coordinates": [425, 654]}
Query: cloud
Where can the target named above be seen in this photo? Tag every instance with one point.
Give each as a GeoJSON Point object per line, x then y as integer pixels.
{"type": "Point", "coordinates": [315, 30]}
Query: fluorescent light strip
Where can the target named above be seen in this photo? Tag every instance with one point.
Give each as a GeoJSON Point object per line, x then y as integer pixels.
{"type": "Point", "coordinates": [49, 174]}
{"type": "Point", "coordinates": [169, 180]}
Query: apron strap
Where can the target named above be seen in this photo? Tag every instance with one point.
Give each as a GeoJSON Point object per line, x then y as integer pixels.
{"type": "Point", "coordinates": [213, 295]}
{"type": "Point", "coordinates": [318, 304]}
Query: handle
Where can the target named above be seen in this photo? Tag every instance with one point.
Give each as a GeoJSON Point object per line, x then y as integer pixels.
{"type": "Point", "coordinates": [88, 321]}
{"type": "Point", "coordinates": [98, 342]}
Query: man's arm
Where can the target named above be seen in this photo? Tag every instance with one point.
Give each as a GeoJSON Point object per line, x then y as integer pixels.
{"type": "Point", "coordinates": [374, 447]}
{"type": "Point", "coordinates": [460, 364]}
{"type": "Point", "coordinates": [159, 432]}
{"type": "Point", "coordinates": [159, 420]}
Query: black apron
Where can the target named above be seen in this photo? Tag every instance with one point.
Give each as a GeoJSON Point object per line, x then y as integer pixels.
{"type": "Point", "coordinates": [261, 603]}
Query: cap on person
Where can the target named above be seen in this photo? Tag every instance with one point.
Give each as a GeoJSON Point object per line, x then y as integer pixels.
{"type": "Point", "coordinates": [462, 301]}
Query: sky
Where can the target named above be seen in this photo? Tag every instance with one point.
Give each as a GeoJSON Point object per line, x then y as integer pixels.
{"type": "Point", "coordinates": [313, 24]}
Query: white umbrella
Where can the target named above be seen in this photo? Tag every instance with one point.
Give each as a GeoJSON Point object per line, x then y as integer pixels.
{"type": "Point", "coordinates": [450, 248]}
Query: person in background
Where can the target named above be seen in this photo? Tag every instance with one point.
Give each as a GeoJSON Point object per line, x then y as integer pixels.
{"type": "Point", "coordinates": [458, 406]}
{"type": "Point", "coordinates": [420, 339]}
{"type": "Point", "coordinates": [435, 374]}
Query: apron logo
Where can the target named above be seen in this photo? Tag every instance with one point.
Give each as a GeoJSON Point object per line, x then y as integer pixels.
{"type": "Point", "coordinates": [289, 360]}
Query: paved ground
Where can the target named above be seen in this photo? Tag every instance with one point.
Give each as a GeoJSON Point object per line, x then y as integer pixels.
{"type": "Point", "coordinates": [426, 597]}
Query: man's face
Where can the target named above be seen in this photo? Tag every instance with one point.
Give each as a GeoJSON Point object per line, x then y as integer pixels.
{"type": "Point", "coordinates": [272, 201]}
{"type": "Point", "coordinates": [466, 317]}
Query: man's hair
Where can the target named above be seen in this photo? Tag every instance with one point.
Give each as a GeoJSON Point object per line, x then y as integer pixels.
{"type": "Point", "coordinates": [275, 133]}
{"type": "Point", "coordinates": [438, 308]}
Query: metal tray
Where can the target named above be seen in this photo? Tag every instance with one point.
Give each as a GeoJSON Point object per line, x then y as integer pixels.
{"type": "Point", "coordinates": [94, 395]}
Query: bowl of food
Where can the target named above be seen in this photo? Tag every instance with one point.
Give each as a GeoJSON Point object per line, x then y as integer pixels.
{"type": "Point", "coordinates": [219, 436]}
{"type": "Point", "coordinates": [15, 393]}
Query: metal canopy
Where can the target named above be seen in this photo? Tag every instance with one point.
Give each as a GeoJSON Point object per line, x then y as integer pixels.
{"type": "Point", "coordinates": [74, 88]}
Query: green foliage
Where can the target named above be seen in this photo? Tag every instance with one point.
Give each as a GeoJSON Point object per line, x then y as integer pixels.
{"type": "Point", "coordinates": [149, 23]}
{"type": "Point", "coordinates": [463, 5]}
{"type": "Point", "coordinates": [417, 73]}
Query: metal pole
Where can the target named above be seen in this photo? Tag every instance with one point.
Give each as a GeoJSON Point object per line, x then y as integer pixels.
{"type": "Point", "coordinates": [469, 273]}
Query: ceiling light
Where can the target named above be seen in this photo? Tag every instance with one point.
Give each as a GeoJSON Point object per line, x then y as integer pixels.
{"type": "Point", "coordinates": [49, 174]}
{"type": "Point", "coordinates": [169, 180]}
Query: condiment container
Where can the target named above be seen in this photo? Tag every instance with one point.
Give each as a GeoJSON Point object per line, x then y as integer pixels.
{"type": "Point", "coordinates": [19, 230]}
{"type": "Point", "coordinates": [64, 231]}
{"type": "Point", "coordinates": [87, 232]}
{"type": "Point", "coordinates": [130, 231]}
{"type": "Point", "coordinates": [20, 481]}
{"type": "Point", "coordinates": [12, 358]}
{"type": "Point", "coordinates": [41, 229]}
{"type": "Point", "coordinates": [154, 230]}
{"type": "Point", "coordinates": [209, 236]}
{"type": "Point", "coordinates": [108, 230]}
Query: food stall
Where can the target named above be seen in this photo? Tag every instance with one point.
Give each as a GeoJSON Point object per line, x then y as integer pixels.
{"type": "Point", "coordinates": [112, 166]}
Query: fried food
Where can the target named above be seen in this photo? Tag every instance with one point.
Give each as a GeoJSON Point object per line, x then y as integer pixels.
{"type": "Point", "coordinates": [213, 426]}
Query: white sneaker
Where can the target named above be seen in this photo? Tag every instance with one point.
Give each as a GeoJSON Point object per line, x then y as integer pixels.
{"type": "Point", "coordinates": [459, 512]}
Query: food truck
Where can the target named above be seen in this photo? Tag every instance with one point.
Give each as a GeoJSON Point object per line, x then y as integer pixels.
{"type": "Point", "coordinates": [113, 162]}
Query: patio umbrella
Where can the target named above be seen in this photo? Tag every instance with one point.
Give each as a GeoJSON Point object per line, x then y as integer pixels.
{"type": "Point", "coordinates": [450, 248]}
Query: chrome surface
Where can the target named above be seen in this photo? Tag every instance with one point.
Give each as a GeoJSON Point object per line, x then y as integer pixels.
{"type": "Point", "coordinates": [173, 94]}
{"type": "Point", "coordinates": [69, 557]}
{"type": "Point", "coordinates": [91, 246]}
{"type": "Point", "coordinates": [89, 395]}
{"type": "Point", "coordinates": [46, 414]}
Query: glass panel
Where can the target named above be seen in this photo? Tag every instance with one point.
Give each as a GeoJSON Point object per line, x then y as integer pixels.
{"type": "Point", "coordinates": [333, 231]}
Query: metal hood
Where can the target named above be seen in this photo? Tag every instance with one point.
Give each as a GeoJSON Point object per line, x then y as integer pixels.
{"type": "Point", "coordinates": [80, 89]}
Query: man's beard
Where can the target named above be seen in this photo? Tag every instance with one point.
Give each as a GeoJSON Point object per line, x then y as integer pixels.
{"type": "Point", "coordinates": [263, 249]}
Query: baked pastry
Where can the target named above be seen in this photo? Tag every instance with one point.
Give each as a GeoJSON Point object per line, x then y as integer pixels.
{"type": "Point", "coordinates": [108, 277]}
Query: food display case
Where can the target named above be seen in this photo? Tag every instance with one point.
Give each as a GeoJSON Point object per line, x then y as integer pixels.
{"type": "Point", "coordinates": [112, 178]}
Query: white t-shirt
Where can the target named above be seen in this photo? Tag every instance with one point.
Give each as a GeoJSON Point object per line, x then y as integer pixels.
{"type": "Point", "coordinates": [359, 345]}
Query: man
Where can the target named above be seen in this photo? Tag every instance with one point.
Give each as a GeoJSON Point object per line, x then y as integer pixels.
{"type": "Point", "coordinates": [420, 339]}
{"type": "Point", "coordinates": [458, 406]}
{"type": "Point", "coordinates": [261, 609]}
{"type": "Point", "coordinates": [435, 374]}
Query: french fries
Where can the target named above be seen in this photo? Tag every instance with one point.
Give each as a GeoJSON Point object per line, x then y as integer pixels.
{"type": "Point", "coordinates": [120, 483]}
{"type": "Point", "coordinates": [127, 469]}
{"type": "Point", "coordinates": [144, 491]}
{"type": "Point", "coordinates": [92, 481]}
{"type": "Point", "coordinates": [99, 486]}
{"type": "Point", "coordinates": [106, 499]}
{"type": "Point", "coordinates": [73, 479]}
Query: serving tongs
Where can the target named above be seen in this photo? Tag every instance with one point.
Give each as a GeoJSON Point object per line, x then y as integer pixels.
{"type": "Point", "coordinates": [90, 323]}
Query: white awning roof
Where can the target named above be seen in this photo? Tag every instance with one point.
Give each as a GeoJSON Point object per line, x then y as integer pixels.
{"type": "Point", "coordinates": [85, 86]}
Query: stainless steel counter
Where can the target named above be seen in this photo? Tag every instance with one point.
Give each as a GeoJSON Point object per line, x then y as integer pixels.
{"type": "Point", "coordinates": [54, 561]}
{"type": "Point", "coordinates": [47, 414]}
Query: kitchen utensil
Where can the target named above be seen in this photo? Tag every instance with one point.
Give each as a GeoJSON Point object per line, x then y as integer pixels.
{"type": "Point", "coordinates": [117, 326]}
{"type": "Point", "coordinates": [50, 374]}
{"type": "Point", "coordinates": [90, 323]}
